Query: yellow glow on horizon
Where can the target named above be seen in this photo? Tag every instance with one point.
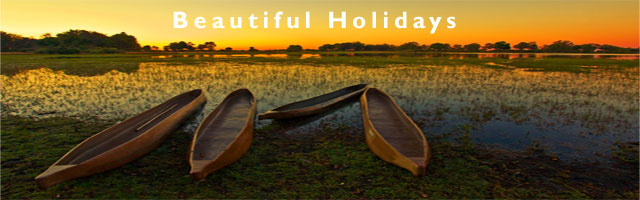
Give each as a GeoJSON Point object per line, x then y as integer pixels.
{"type": "Point", "coordinates": [597, 21]}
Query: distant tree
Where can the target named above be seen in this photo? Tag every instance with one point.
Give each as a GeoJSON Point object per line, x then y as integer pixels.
{"type": "Point", "coordinates": [488, 47]}
{"type": "Point", "coordinates": [349, 46]}
{"type": "Point", "coordinates": [7, 39]}
{"type": "Point", "coordinates": [358, 46]}
{"type": "Point", "coordinates": [174, 46]}
{"type": "Point", "coordinates": [521, 46]}
{"type": "Point", "coordinates": [207, 46]}
{"type": "Point", "coordinates": [586, 48]}
{"type": "Point", "coordinates": [502, 46]}
{"type": "Point", "coordinates": [181, 46]}
{"type": "Point", "coordinates": [83, 39]}
{"type": "Point", "coordinates": [48, 41]}
{"type": "Point", "coordinates": [327, 47]}
{"type": "Point", "coordinates": [615, 49]}
{"type": "Point", "coordinates": [146, 48]}
{"type": "Point", "coordinates": [440, 47]}
{"type": "Point", "coordinates": [15, 42]}
{"type": "Point", "coordinates": [228, 49]}
{"type": "Point", "coordinates": [253, 49]}
{"type": "Point", "coordinates": [533, 46]}
{"type": "Point", "coordinates": [473, 47]}
{"type": "Point", "coordinates": [560, 46]}
{"type": "Point", "coordinates": [410, 46]}
{"type": "Point", "coordinates": [379, 47]}
{"type": "Point", "coordinates": [123, 41]}
{"type": "Point", "coordinates": [191, 46]}
{"type": "Point", "coordinates": [294, 48]}
{"type": "Point", "coordinates": [457, 47]}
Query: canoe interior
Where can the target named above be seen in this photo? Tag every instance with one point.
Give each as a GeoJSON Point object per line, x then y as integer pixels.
{"type": "Point", "coordinates": [389, 121]}
{"type": "Point", "coordinates": [321, 99]}
{"type": "Point", "coordinates": [128, 129]}
{"type": "Point", "coordinates": [221, 128]}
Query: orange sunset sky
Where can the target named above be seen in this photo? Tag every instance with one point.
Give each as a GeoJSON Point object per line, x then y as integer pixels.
{"type": "Point", "coordinates": [151, 21]}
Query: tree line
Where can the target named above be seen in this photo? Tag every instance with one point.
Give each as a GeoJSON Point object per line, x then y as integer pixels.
{"type": "Point", "coordinates": [70, 42]}
{"type": "Point", "coordinates": [560, 46]}
{"type": "Point", "coordinates": [82, 41]}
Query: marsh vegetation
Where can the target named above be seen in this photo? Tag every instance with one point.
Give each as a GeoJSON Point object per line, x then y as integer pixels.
{"type": "Point", "coordinates": [485, 117]}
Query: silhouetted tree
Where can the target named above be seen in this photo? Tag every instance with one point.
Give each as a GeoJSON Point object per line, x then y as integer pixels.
{"type": "Point", "coordinates": [488, 47]}
{"type": "Point", "coordinates": [473, 47]}
{"type": "Point", "coordinates": [614, 49]}
{"type": "Point", "coordinates": [83, 39]}
{"type": "Point", "coordinates": [47, 40]}
{"type": "Point", "coordinates": [123, 41]}
{"type": "Point", "coordinates": [358, 46]}
{"type": "Point", "coordinates": [410, 46]}
{"type": "Point", "coordinates": [228, 49]}
{"type": "Point", "coordinates": [533, 46]}
{"type": "Point", "coordinates": [72, 41]}
{"type": "Point", "coordinates": [559, 46]}
{"type": "Point", "coordinates": [439, 47]}
{"type": "Point", "coordinates": [326, 47]}
{"type": "Point", "coordinates": [502, 46]}
{"type": "Point", "coordinates": [15, 42]}
{"type": "Point", "coordinates": [586, 48]}
{"type": "Point", "coordinates": [146, 48]}
{"type": "Point", "coordinates": [379, 47]}
{"type": "Point", "coordinates": [252, 49]}
{"type": "Point", "coordinates": [350, 46]}
{"type": "Point", "coordinates": [207, 46]}
{"type": "Point", "coordinates": [521, 46]}
{"type": "Point", "coordinates": [457, 47]}
{"type": "Point", "coordinates": [345, 46]}
{"type": "Point", "coordinates": [181, 46]}
{"type": "Point", "coordinates": [294, 48]}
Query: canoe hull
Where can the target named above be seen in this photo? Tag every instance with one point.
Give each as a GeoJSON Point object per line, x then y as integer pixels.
{"type": "Point", "coordinates": [298, 112]}
{"type": "Point", "coordinates": [386, 151]}
{"type": "Point", "coordinates": [121, 154]}
{"type": "Point", "coordinates": [312, 109]}
{"type": "Point", "coordinates": [233, 151]}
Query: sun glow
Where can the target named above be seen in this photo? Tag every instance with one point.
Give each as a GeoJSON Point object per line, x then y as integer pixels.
{"type": "Point", "coordinates": [601, 21]}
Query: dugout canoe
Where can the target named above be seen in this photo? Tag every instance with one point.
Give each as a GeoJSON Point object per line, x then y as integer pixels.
{"type": "Point", "coordinates": [314, 105]}
{"type": "Point", "coordinates": [123, 142]}
{"type": "Point", "coordinates": [391, 134]}
{"type": "Point", "coordinates": [224, 135]}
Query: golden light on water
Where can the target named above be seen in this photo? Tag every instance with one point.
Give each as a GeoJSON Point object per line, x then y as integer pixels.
{"type": "Point", "coordinates": [547, 98]}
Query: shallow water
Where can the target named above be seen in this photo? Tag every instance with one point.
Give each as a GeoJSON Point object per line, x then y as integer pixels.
{"type": "Point", "coordinates": [416, 54]}
{"type": "Point", "coordinates": [575, 116]}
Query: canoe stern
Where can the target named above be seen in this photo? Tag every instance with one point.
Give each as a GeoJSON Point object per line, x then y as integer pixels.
{"type": "Point", "coordinates": [198, 169]}
{"type": "Point", "coordinates": [56, 174]}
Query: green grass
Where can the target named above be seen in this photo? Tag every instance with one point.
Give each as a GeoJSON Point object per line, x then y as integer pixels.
{"type": "Point", "coordinates": [92, 64]}
{"type": "Point", "coordinates": [333, 162]}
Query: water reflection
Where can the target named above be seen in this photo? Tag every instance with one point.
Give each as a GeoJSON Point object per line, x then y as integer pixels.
{"type": "Point", "coordinates": [572, 114]}
{"type": "Point", "coordinates": [416, 54]}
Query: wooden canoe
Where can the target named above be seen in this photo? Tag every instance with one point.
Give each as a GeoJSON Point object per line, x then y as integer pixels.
{"type": "Point", "coordinates": [391, 134]}
{"type": "Point", "coordinates": [224, 135]}
{"type": "Point", "coordinates": [314, 105]}
{"type": "Point", "coordinates": [123, 142]}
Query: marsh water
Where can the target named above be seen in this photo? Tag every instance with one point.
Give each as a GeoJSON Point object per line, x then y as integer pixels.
{"type": "Point", "coordinates": [396, 55]}
{"type": "Point", "coordinates": [574, 116]}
